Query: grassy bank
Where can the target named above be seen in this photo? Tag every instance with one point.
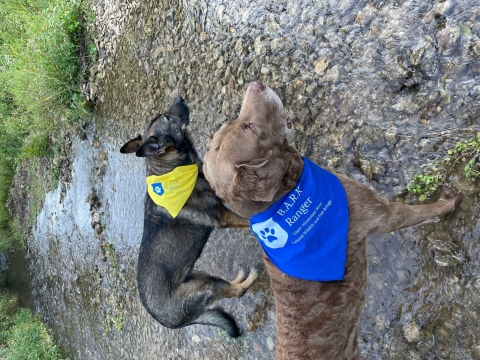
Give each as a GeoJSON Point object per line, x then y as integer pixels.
{"type": "Point", "coordinates": [22, 334]}
{"type": "Point", "coordinates": [45, 54]}
{"type": "Point", "coordinates": [44, 57]}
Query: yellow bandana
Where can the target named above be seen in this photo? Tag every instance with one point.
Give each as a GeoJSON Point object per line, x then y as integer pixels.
{"type": "Point", "coordinates": [173, 189]}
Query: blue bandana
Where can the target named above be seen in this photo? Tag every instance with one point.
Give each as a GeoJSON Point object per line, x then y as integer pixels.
{"type": "Point", "coordinates": [305, 232]}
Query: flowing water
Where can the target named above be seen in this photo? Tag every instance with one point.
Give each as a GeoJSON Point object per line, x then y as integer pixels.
{"type": "Point", "coordinates": [375, 88]}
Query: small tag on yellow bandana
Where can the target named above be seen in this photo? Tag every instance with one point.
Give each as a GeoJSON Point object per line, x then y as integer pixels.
{"type": "Point", "coordinates": [173, 189]}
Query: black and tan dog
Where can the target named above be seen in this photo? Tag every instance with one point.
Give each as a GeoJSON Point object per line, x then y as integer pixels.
{"type": "Point", "coordinates": [171, 291]}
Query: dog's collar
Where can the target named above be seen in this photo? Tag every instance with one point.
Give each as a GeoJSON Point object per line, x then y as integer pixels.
{"type": "Point", "coordinates": [172, 190]}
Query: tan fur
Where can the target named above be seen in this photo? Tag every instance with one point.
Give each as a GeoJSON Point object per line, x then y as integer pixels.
{"type": "Point", "coordinates": [250, 165]}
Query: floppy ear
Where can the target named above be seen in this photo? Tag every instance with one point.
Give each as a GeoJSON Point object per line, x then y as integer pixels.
{"type": "Point", "coordinates": [259, 182]}
{"type": "Point", "coordinates": [132, 145]}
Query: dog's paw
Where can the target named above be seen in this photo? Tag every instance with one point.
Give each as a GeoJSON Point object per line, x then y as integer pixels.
{"type": "Point", "coordinates": [239, 278]}
{"type": "Point", "coordinates": [240, 285]}
{"type": "Point", "coordinates": [452, 195]}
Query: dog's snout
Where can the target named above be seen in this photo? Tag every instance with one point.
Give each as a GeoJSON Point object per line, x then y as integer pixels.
{"type": "Point", "coordinates": [179, 100]}
{"type": "Point", "coordinates": [257, 85]}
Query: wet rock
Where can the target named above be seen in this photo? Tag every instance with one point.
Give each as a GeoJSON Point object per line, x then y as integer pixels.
{"type": "Point", "coordinates": [423, 57]}
{"type": "Point", "coordinates": [465, 185]}
{"type": "Point", "coordinates": [101, 170]}
{"type": "Point", "coordinates": [96, 219]}
{"type": "Point", "coordinates": [332, 74]}
{"type": "Point", "coordinates": [399, 74]}
{"type": "Point", "coordinates": [372, 167]}
{"type": "Point", "coordinates": [446, 252]}
{"type": "Point", "coordinates": [411, 332]}
{"type": "Point", "coordinates": [475, 92]}
{"type": "Point", "coordinates": [270, 343]}
{"type": "Point", "coordinates": [93, 200]}
{"type": "Point", "coordinates": [406, 105]}
{"type": "Point", "coordinates": [260, 45]}
{"type": "Point", "coordinates": [446, 39]}
{"type": "Point", "coordinates": [425, 345]}
{"type": "Point", "coordinates": [321, 64]}
{"type": "Point", "coordinates": [380, 323]}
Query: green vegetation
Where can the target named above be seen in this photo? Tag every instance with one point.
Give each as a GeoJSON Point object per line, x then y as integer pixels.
{"type": "Point", "coordinates": [44, 57]}
{"type": "Point", "coordinates": [22, 334]}
{"type": "Point", "coordinates": [116, 317]}
{"type": "Point", "coordinates": [466, 152]}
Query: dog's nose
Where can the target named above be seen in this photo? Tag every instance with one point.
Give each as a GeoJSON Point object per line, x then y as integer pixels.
{"type": "Point", "coordinates": [179, 100]}
{"type": "Point", "coordinates": [257, 85]}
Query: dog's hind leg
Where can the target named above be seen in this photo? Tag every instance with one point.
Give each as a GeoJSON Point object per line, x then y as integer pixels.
{"type": "Point", "coordinates": [200, 292]}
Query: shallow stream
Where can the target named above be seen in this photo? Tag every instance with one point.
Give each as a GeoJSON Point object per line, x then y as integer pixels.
{"type": "Point", "coordinates": [375, 89]}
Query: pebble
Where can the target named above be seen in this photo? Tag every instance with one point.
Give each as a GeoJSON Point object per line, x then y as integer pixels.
{"type": "Point", "coordinates": [411, 331]}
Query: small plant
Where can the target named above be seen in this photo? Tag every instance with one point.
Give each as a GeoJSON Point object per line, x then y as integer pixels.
{"type": "Point", "coordinates": [467, 151]}
{"type": "Point", "coordinates": [112, 255]}
{"type": "Point", "coordinates": [423, 185]}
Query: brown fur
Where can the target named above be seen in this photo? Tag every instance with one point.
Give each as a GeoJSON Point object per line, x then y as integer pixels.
{"type": "Point", "coordinates": [250, 165]}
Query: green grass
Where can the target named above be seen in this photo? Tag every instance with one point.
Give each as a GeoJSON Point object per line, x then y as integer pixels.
{"type": "Point", "coordinates": [22, 334]}
{"type": "Point", "coordinates": [45, 54]}
{"type": "Point", "coordinates": [466, 152]}
{"type": "Point", "coordinates": [44, 57]}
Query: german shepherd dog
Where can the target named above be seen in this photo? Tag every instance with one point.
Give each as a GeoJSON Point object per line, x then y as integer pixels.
{"type": "Point", "coordinates": [171, 291]}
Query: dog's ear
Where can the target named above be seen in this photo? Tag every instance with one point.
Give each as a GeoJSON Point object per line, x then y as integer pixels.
{"type": "Point", "coordinates": [259, 182]}
{"type": "Point", "coordinates": [132, 145]}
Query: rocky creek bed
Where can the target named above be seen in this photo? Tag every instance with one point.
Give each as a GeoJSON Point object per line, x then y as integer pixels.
{"type": "Point", "coordinates": [375, 89]}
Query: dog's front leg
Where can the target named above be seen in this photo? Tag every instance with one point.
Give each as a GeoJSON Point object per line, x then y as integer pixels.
{"type": "Point", "coordinates": [398, 215]}
{"type": "Point", "coordinates": [227, 218]}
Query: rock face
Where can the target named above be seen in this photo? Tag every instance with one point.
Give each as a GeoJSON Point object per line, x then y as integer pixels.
{"type": "Point", "coordinates": [374, 89]}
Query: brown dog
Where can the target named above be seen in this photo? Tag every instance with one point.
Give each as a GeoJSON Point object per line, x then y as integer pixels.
{"type": "Point", "coordinates": [250, 166]}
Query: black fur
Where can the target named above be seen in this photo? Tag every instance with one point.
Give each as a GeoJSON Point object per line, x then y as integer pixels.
{"type": "Point", "coordinates": [171, 291]}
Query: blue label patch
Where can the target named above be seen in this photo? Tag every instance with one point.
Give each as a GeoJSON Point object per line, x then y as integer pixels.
{"type": "Point", "coordinates": [158, 188]}
{"type": "Point", "coordinates": [271, 233]}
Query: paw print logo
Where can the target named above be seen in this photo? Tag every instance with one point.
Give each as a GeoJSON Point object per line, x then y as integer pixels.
{"type": "Point", "coordinates": [270, 233]}
{"type": "Point", "coordinates": [158, 188]}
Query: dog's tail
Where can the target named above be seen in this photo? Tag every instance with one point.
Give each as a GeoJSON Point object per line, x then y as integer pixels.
{"type": "Point", "coordinates": [220, 318]}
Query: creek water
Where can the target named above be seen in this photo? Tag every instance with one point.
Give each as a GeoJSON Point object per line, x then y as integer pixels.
{"type": "Point", "coordinates": [376, 89]}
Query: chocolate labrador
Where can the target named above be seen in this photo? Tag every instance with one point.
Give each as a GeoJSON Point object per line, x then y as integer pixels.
{"type": "Point", "coordinates": [171, 291]}
{"type": "Point", "coordinates": [251, 166]}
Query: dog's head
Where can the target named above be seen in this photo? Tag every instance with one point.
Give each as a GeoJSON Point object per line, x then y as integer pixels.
{"type": "Point", "coordinates": [164, 131]}
{"type": "Point", "coordinates": [249, 162]}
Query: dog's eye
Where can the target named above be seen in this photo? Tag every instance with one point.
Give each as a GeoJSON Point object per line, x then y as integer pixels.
{"type": "Point", "coordinates": [153, 143]}
{"type": "Point", "coordinates": [251, 127]}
